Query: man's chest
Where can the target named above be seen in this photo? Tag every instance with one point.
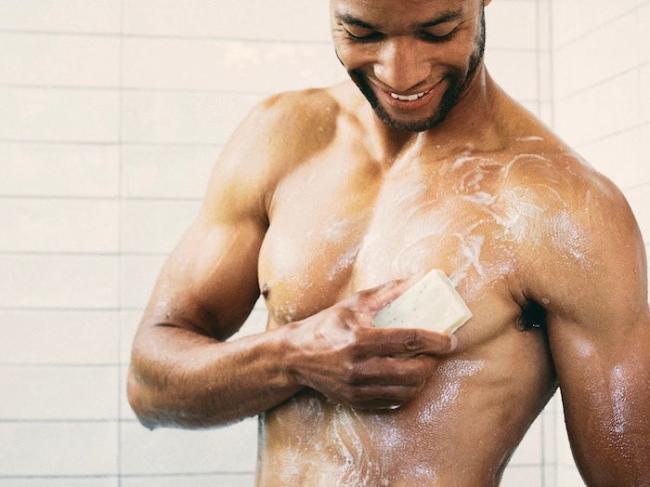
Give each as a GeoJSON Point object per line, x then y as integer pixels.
{"type": "Point", "coordinates": [338, 228]}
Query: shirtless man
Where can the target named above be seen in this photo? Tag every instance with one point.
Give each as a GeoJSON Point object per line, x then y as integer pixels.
{"type": "Point", "coordinates": [325, 200]}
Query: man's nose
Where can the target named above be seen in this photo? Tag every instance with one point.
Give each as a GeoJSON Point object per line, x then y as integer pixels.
{"type": "Point", "coordinates": [400, 65]}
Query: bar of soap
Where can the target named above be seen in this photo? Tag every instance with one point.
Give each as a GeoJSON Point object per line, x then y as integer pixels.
{"type": "Point", "coordinates": [432, 303]}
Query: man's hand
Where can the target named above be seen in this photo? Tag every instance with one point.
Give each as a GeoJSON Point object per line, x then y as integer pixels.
{"type": "Point", "coordinates": [339, 353]}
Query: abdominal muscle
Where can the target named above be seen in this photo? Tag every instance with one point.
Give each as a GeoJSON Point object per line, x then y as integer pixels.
{"type": "Point", "coordinates": [460, 430]}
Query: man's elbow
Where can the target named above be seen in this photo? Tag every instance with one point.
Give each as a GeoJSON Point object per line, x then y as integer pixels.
{"type": "Point", "coordinates": [135, 395]}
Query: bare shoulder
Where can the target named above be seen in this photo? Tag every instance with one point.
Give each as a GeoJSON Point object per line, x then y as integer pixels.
{"type": "Point", "coordinates": [584, 244]}
{"type": "Point", "coordinates": [277, 135]}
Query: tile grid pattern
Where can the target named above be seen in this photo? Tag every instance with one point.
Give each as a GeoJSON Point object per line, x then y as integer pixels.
{"type": "Point", "coordinates": [127, 162]}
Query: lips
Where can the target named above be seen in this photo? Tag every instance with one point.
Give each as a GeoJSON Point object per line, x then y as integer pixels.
{"type": "Point", "coordinates": [407, 102]}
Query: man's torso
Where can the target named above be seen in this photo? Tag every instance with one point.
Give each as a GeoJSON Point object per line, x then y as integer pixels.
{"type": "Point", "coordinates": [342, 221]}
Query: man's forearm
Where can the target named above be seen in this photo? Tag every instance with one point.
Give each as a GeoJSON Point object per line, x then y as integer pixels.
{"type": "Point", "coordinates": [183, 379]}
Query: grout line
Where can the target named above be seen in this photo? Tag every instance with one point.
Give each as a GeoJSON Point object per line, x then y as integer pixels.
{"type": "Point", "coordinates": [120, 234]}
{"type": "Point", "coordinates": [122, 35]}
{"type": "Point", "coordinates": [605, 80]}
{"type": "Point", "coordinates": [596, 28]}
{"type": "Point", "coordinates": [184, 199]}
{"type": "Point", "coordinates": [134, 143]}
{"type": "Point", "coordinates": [551, 74]}
{"type": "Point", "coordinates": [621, 131]}
{"type": "Point", "coordinates": [129, 475]}
{"type": "Point", "coordinates": [538, 60]}
{"type": "Point", "coordinates": [135, 89]}
{"type": "Point", "coordinates": [60, 364]}
{"type": "Point", "coordinates": [28, 253]}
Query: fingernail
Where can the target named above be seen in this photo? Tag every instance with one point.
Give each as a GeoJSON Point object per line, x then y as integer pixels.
{"type": "Point", "coordinates": [454, 342]}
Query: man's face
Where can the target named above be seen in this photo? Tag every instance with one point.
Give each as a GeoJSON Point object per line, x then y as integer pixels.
{"type": "Point", "coordinates": [412, 59]}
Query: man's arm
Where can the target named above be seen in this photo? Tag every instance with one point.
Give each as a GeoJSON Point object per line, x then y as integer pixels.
{"type": "Point", "coordinates": [593, 277]}
{"type": "Point", "coordinates": [181, 367]}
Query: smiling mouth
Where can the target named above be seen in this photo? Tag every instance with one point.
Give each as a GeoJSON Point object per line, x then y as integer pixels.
{"type": "Point", "coordinates": [414, 97]}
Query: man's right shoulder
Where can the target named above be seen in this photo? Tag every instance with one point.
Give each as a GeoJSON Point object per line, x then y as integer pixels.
{"type": "Point", "coordinates": [279, 134]}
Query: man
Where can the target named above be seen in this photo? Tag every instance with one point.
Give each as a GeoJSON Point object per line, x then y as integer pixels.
{"type": "Point", "coordinates": [326, 201]}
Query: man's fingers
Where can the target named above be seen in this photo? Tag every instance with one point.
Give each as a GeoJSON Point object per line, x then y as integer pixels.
{"type": "Point", "coordinates": [411, 371]}
{"type": "Point", "coordinates": [406, 341]}
{"type": "Point", "coordinates": [374, 299]}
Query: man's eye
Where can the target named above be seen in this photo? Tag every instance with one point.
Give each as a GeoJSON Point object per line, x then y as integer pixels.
{"type": "Point", "coordinates": [366, 36]}
{"type": "Point", "coordinates": [431, 37]}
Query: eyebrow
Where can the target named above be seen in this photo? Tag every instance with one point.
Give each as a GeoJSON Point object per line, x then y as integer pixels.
{"type": "Point", "coordinates": [447, 16]}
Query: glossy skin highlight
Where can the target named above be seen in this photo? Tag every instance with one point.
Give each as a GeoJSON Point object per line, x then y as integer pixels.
{"type": "Point", "coordinates": [316, 199]}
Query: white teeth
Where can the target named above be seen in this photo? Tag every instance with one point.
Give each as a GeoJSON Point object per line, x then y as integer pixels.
{"type": "Point", "coordinates": [417, 96]}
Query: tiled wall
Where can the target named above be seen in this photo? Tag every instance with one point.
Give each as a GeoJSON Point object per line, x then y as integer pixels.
{"type": "Point", "coordinates": [113, 112]}
{"type": "Point", "coordinates": [601, 73]}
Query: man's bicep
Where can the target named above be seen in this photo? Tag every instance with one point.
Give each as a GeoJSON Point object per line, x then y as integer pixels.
{"type": "Point", "coordinates": [209, 282]}
{"type": "Point", "coordinates": [604, 377]}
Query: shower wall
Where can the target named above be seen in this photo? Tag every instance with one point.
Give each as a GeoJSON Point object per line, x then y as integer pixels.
{"type": "Point", "coordinates": [113, 113]}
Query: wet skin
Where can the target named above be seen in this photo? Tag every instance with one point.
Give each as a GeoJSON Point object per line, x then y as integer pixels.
{"type": "Point", "coordinates": [316, 198]}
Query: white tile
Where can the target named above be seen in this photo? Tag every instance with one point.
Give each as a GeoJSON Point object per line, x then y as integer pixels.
{"type": "Point", "coordinates": [550, 475]}
{"type": "Point", "coordinates": [58, 448]}
{"type": "Point", "coordinates": [549, 432]}
{"type": "Point", "coordinates": [569, 476]}
{"type": "Point", "coordinates": [166, 450]}
{"type": "Point", "coordinates": [564, 454]}
{"type": "Point", "coordinates": [53, 225]}
{"type": "Point", "coordinates": [519, 476]}
{"type": "Point", "coordinates": [227, 65]}
{"type": "Point", "coordinates": [139, 273]}
{"type": "Point", "coordinates": [59, 169]}
{"type": "Point", "coordinates": [63, 337]}
{"type": "Point", "coordinates": [600, 111]}
{"type": "Point", "coordinates": [572, 19]}
{"type": "Point", "coordinates": [60, 482]}
{"type": "Point", "coordinates": [515, 72]}
{"type": "Point", "coordinates": [221, 480]}
{"type": "Point", "coordinates": [597, 56]}
{"type": "Point", "coordinates": [545, 79]}
{"type": "Point", "coordinates": [280, 19]}
{"type": "Point", "coordinates": [639, 200]}
{"type": "Point", "coordinates": [644, 95]}
{"type": "Point", "coordinates": [49, 392]}
{"type": "Point", "coordinates": [502, 32]}
{"type": "Point", "coordinates": [529, 450]}
{"type": "Point", "coordinates": [129, 322]}
{"type": "Point", "coordinates": [59, 115]}
{"type": "Point", "coordinates": [61, 15]}
{"type": "Point", "coordinates": [126, 412]}
{"type": "Point", "coordinates": [58, 281]}
{"type": "Point", "coordinates": [619, 158]}
{"type": "Point", "coordinates": [208, 118]}
{"type": "Point", "coordinates": [545, 24]}
{"type": "Point", "coordinates": [642, 32]}
{"type": "Point", "coordinates": [155, 226]}
{"type": "Point", "coordinates": [547, 114]}
{"type": "Point", "coordinates": [167, 172]}
{"type": "Point", "coordinates": [36, 59]}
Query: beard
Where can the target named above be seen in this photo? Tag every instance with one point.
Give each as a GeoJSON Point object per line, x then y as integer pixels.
{"type": "Point", "coordinates": [457, 83]}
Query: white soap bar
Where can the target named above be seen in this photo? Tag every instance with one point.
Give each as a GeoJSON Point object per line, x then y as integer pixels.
{"type": "Point", "coordinates": [432, 303]}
